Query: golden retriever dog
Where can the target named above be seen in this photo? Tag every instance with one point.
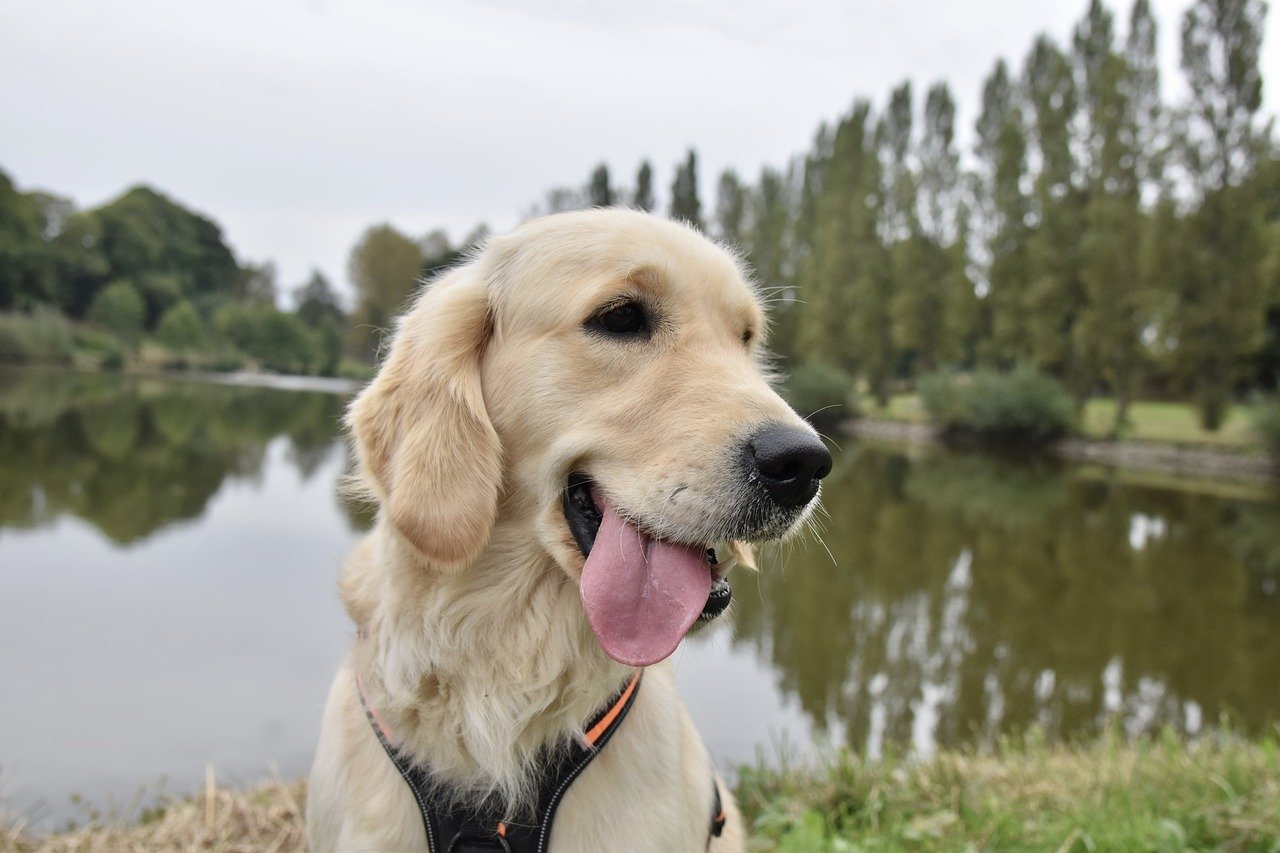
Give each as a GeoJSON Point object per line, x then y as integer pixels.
{"type": "Point", "coordinates": [571, 434]}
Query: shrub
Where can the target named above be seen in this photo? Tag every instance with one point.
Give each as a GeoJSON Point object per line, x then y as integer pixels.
{"type": "Point", "coordinates": [276, 340]}
{"type": "Point", "coordinates": [112, 360]}
{"type": "Point", "coordinates": [120, 308]}
{"type": "Point", "coordinates": [1266, 423]}
{"type": "Point", "coordinates": [1018, 409]}
{"type": "Point", "coordinates": [43, 336]}
{"type": "Point", "coordinates": [180, 328]}
{"type": "Point", "coordinates": [821, 393]}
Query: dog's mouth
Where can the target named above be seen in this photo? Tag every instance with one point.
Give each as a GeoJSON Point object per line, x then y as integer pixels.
{"type": "Point", "coordinates": [641, 594]}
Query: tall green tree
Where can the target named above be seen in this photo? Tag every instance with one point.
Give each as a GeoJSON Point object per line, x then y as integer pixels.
{"type": "Point", "coordinates": [767, 245]}
{"type": "Point", "coordinates": [643, 197]}
{"type": "Point", "coordinates": [1002, 155]}
{"type": "Point", "coordinates": [1219, 321]}
{"type": "Point", "coordinates": [766, 241]}
{"type": "Point", "coordinates": [315, 301]}
{"type": "Point", "coordinates": [731, 209]}
{"type": "Point", "coordinates": [944, 229]}
{"type": "Point", "coordinates": [1112, 318]}
{"type": "Point", "coordinates": [1221, 40]}
{"type": "Point", "coordinates": [826, 278]}
{"type": "Point", "coordinates": [685, 206]}
{"type": "Point", "coordinates": [845, 284]}
{"type": "Point", "coordinates": [384, 267]}
{"type": "Point", "coordinates": [1150, 133]}
{"type": "Point", "coordinates": [599, 193]}
{"type": "Point", "coordinates": [917, 264]}
{"type": "Point", "coordinates": [1055, 293]}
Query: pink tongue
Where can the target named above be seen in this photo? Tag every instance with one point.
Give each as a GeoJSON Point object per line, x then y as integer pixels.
{"type": "Point", "coordinates": [641, 595]}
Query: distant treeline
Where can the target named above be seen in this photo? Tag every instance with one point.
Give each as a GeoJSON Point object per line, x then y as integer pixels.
{"type": "Point", "coordinates": [144, 270]}
{"type": "Point", "coordinates": [1098, 233]}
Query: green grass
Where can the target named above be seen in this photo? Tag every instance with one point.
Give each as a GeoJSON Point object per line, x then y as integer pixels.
{"type": "Point", "coordinates": [1168, 423]}
{"type": "Point", "coordinates": [902, 407]}
{"type": "Point", "coordinates": [1171, 423]}
{"type": "Point", "coordinates": [1156, 794]}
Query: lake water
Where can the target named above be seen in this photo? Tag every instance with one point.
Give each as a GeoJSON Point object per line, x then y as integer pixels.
{"type": "Point", "coordinates": [169, 551]}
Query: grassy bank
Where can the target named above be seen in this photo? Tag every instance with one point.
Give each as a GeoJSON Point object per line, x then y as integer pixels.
{"type": "Point", "coordinates": [1149, 421]}
{"type": "Point", "coordinates": [1105, 795]}
{"type": "Point", "coordinates": [1159, 794]}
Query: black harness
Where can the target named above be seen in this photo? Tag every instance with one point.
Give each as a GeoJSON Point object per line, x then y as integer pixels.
{"type": "Point", "coordinates": [454, 825]}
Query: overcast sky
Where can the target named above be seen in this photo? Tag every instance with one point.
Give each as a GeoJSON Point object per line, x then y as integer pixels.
{"type": "Point", "coordinates": [298, 123]}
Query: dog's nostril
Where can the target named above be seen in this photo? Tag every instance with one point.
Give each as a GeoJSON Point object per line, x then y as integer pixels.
{"type": "Point", "coordinates": [790, 462]}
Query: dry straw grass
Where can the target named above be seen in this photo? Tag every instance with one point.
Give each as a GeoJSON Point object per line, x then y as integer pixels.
{"type": "Point", "coordinates": [266, 818]}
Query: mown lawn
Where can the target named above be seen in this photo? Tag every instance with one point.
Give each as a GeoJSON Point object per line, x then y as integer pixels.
{"type": "Point", "coordinates": [1160, 794]}
{"type": "Point", "coordinates": [1172, 423]}
{"type": "Point", "coordinates": [1168, 423]}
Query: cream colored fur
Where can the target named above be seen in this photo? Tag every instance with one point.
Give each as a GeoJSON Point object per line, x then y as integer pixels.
{"type": "Point", "coordinates": [477, 652]}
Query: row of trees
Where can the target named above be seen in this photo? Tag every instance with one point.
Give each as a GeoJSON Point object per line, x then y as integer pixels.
{"type": "Point", "coordinates": [1098, 233]}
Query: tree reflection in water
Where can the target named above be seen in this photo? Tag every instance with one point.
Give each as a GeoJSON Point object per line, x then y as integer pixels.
{"type": "Point", "coordinates": [972, 596]}
{"type": "Point", "coordinates": [968, 597]}
{"type": "Point", "coordinates": [131, 456]}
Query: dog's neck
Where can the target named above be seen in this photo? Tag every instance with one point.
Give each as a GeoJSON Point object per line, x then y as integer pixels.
{"type": "Point", "coordinates": [477, 670]}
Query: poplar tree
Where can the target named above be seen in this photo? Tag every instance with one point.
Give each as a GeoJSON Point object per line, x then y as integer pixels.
{"type": "Point", "coordinates": [1111, 322]}
{"type": "Point", "coordinates": [869, 325]}
{"type": "Point", "coordinates": [1219, 320]}
{"type": "Point", "coordinates": [765, 240]}
{"type": "Point", "coordinates": [685, 206]}
{"type": "Point", "coordinates": [1002, 155]}
{"type": "Point", "coordinates": [599, 193]}
{"type": "Point", "coordinates": [943, 213]}
{"type": "Point", "coordinates": [643, 198]}
{"type": "Point", "coordinates": [917, 263]}
{"type": "Point", "coordinates": [731, 209]}
{"type": "Point", "coordinates": [1055, 292]}
{"type": "Point", "coordinates": [845, 315]}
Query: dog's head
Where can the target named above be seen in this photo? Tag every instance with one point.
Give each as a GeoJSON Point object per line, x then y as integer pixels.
{"type": "Point", "coordinates": [595, 383]}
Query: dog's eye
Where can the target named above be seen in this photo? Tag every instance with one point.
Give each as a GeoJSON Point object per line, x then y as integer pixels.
{"type": "Point", "coordinates": [623, 318]}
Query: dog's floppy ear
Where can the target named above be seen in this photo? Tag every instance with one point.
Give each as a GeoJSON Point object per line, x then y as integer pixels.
{"type": "Point", "coordinates": [425, 442]}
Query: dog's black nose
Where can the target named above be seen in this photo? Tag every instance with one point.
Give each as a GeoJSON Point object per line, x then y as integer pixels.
{"type": "Point", "coordinates": [790, 462]}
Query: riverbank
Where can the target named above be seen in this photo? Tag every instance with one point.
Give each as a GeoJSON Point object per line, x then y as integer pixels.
{"type": "Point", "coordinates": [1158, 794]}
{"type": "Point", "coordinates": [1107, 794]}
{"type": "Point", "coordinates": [1235, 458]}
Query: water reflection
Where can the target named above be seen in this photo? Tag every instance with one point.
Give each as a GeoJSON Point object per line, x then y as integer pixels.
{"type": "Point", "coordinates": [168, 557]}
{"type": "Point", "coordinates": [168, 552]}
{"type": "Point", "coordinates": [131, 456]}
{"type": "Point", "coordinates": [966, 596]}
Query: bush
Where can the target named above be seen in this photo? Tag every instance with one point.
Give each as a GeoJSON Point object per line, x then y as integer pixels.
{"type": "Point", "coordinates": [180, 328]}
{"type": "Point", "coordinates": [112, 360]}
{"type": "Point", "coordinates": [120, 308]}
{"type": "Point", "coordinates": [1266, 423]}
{"type": "Point", "coordinates": [43, 336]}
{"type": "Point", "coordinates": [822, 394]}
{"type": "Point", "coordinates": [1018, 409]}
{"type": "Point", "coordinates": [276, 340]}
